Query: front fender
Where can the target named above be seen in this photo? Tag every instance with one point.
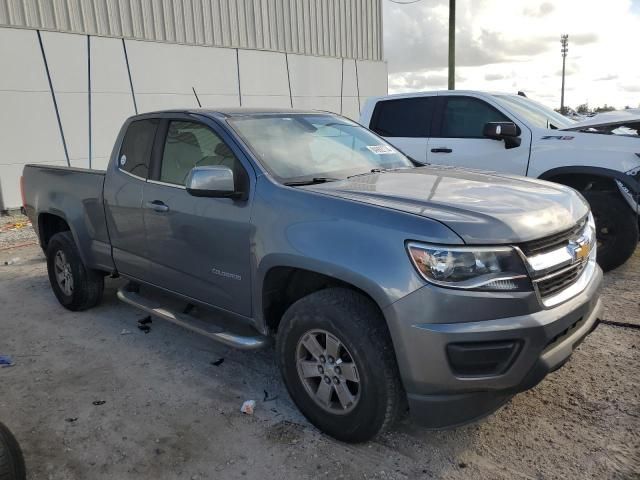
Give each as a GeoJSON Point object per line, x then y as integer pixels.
{"type": "Point", "coordinates": [628, 183]}
{"type": "Point", "coordinates": [355, 243]}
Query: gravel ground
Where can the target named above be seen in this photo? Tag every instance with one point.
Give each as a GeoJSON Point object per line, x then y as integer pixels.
{"type": "Point", "coordinates": [170, 413]}
{"type": "Point", "coordinates": [15, 230]}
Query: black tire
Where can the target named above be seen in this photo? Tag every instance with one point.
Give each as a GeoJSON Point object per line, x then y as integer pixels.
{"type": "Point", "coordinates": [11, 459]}
{"type": "Point", "coordinates": [616, 228]}
{"type": "Point", "coordinates": [87, 284]}
{"type": "Point", "coordinates": [357, 323]}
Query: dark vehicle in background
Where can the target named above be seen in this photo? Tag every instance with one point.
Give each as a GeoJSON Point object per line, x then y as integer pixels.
{"type": "Point", "coordinates": [385, 284]}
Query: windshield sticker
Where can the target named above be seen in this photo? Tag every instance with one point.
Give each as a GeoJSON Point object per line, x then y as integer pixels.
{"type": "Point", "coordinates": [381, 149]}
{"type": "Point", "coordinates": [123, 160]}
{"type": "Point", "coordinates": [557, 137]}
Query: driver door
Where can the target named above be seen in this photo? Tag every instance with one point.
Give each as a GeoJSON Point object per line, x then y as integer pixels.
{"type": "Point", "coordinates": [198, 246]}
{"type": "Point", "coordinates": [457, 138]}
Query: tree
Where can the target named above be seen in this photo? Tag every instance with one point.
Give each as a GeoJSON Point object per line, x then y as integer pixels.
{"type": "Point", "coordinates": [582, 108]}
{"type": "Point", "coordinates": [605, 108]}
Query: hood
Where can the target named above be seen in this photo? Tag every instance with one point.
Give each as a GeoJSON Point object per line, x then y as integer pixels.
{"type": "Point", "coordinates": [481, 208]}
{"type": "Point", "coordinates": [609, 121]}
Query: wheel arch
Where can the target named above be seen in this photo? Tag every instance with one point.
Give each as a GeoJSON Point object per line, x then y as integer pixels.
{"type": "Point", "coordinates": [283, 284]}
{"type": "Point", "coordinates": [50, 223]}
{"type": "Point", "coordinates": [586, 175]}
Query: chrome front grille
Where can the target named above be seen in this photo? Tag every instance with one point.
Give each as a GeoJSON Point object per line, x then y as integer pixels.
{"type": "Point", "coordinates": [557, 281]}
{"type": "Point", "coordinates": [557, 262]}
{"type": "Point", "coordinates": [552, 242]}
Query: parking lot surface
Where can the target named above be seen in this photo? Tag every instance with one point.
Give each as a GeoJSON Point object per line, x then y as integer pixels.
{"type": "Point", "coordinates": [91, 396]}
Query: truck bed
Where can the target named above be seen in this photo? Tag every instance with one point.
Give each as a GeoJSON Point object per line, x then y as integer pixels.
{"type": "Point", "coordinates": [74, 194]}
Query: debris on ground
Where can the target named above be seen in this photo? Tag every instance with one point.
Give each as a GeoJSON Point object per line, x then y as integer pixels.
{"type": "Point", "coordinates": [267, 398]}
{"type": "Point", "coordinates": [97, 403]}
{"type": "Point", "coordinates": [71, 419]}
{"type": "Point", "coordinates": [12, 261]}
{"type": "Point", "coordinates": [218, 362]}
{"type": "Point", "coordinates": [13, 226]}
{"type": "Point", "coordinates": [6, 361]}
{"type": "Point", "coordinates": [15, 230]}
{"type": "Point", "coordinates": [125, 332]}
{"type": "Point", "coordinates": [143, 324]}
{"type": "Point", "coordinates": [248, 407]}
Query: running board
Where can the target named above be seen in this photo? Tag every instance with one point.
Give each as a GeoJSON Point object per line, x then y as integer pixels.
{"type": "Point", "coordinates": [243, 342]}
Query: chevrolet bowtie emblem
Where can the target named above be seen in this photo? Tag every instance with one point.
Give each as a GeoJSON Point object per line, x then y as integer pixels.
{"type": "Point", "coordinates": [579, 249]}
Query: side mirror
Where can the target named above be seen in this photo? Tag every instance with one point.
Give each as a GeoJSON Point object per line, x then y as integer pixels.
{"type": "Point", "coordinates": [215, 181]}
{"type": "Point", "coordinates": [507, 131]}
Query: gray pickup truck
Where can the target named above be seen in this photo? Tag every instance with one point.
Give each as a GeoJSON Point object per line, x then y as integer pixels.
{"type": "Point", "coordinates": [386, 285]}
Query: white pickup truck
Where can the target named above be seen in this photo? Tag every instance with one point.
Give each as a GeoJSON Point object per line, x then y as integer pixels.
{"type": "Point", "coordinates": [513, 134]}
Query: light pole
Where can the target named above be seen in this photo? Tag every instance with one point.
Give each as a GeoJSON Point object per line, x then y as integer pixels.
{"type": "Point", "coordinates": [564, 41]}
{"type": "Point", "coordinates": [452, 44]}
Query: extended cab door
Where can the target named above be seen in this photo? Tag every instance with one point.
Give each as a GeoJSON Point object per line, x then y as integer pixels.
{"type": "Point", "coordinates": [198, 246]}
{"type": "Point", "coordinates": [405, 123]}
{"type": "Point", "coordinates": [457, 137]}
{"type": "Point", "coordinates": [123, 189]}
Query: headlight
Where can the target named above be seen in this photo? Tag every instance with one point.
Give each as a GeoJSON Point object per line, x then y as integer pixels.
{"type": "Point", "coordinates": [590, 235]}
{"type": "Point", "coordinates": [477, 268]}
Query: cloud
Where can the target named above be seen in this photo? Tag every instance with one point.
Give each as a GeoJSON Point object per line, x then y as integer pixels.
{"type": "Point", "coordinates": [516, 46]}
{"type": "Point", "coordinates": [542, 10]}
{"type": "Point", "coordinates": [571, 68]}
{"type": "Point", "coordinates": [416, 38]}
{"type": "Point", "coordinates": [416, 81]}
{"type": "Point", "coordinates": [574, 39]}
{"type": "Point", "coordinates": [583, 38]}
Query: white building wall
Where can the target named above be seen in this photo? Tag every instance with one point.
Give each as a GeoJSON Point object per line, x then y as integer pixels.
{"type": "Point", "coordinates": [111, 99]}
{"type": "Point", "coordinates": [28, 126]}
{"type": "Point", "coordinates": [98, 82]}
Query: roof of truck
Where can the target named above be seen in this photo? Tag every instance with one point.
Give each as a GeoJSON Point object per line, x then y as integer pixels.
{"type": "Point", "coordinates": [234, 112]}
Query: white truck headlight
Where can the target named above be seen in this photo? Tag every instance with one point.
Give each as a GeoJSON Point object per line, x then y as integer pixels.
{"type": "Point", "coordinates": [471, 268]}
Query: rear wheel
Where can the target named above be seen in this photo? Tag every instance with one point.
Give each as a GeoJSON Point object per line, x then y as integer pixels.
{"type": "Point", "coordinates": [11, 459]}
{"type": "Point", "coordinates": [616, 228]}
{"type": "Point", "coordinates": [75, 286]}
{"type": "Point", "coordinates": [338, 363]}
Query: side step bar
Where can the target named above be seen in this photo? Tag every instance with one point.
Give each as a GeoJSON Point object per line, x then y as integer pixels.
{"type": "Point", "coordinates": [202, 327]}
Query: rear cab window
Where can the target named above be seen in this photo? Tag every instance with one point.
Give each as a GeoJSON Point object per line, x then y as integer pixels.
{"type": "Point", "coordinates": [403, 117]}
{"type": "Point", "coordinates": [135, 153]}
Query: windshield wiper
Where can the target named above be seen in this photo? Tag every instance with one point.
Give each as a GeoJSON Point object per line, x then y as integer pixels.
{"type": "Point", "coordinates": [312, 181]}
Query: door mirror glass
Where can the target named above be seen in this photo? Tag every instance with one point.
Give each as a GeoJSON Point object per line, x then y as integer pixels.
{"type": "Point", "coordinates": [212, 181]}
{"type": "Point", "coordinates": [507, 131]}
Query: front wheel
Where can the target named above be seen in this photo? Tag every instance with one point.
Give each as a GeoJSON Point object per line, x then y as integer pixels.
{"type": "Point", "coordinates": [75, 286]}
{"type": "Point", "coordinates": [11, 459]}
{"type": "Point", "coordinates": [339, 366]}
{"type": "Point", "coordinates": [616, 228]}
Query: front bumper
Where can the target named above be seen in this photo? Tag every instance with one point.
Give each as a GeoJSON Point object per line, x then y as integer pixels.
{"type": "Point", "coordinates": [439, 394]}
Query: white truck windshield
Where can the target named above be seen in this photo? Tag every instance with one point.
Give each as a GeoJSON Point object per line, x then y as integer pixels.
{"type": "Point", "coordinates": [533, 113]}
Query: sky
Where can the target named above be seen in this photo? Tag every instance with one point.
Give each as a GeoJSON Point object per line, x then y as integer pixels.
{"type": "Point", "coordinates": [511, 45]}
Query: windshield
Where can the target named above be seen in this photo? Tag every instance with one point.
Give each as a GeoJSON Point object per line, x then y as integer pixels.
{"type": "Point", "coordinates": [534, 113]}
{"type": "Point", "coordinates": [299, 147]}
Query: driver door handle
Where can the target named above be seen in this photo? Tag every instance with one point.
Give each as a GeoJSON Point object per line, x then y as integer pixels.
{"type": "Point", "coordinates": [158, 206]}
{"type": "Point", "coordinates": [441, 150]}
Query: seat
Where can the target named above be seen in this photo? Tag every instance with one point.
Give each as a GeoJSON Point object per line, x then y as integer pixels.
{"type": "Point", "coordinates": [181, 152]}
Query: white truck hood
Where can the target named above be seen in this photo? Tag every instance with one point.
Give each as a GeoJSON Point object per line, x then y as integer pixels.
{"type": "Point", "coordinates": [609, 121]}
